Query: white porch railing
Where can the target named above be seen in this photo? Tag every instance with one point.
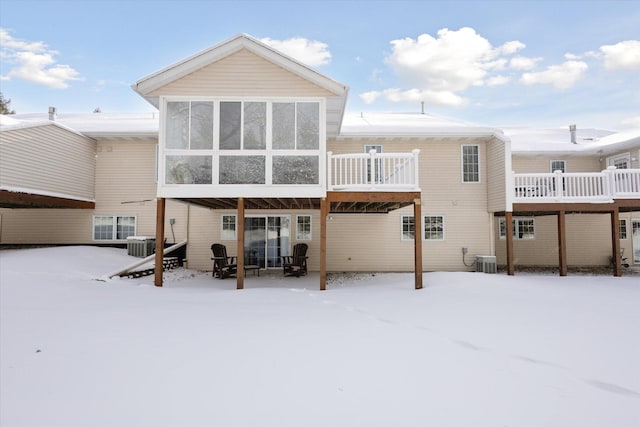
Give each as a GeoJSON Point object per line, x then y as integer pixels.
{"type": "Point", "coordinates": [561, 187]}
{"type": "Point", "coordinates": [373, 171]}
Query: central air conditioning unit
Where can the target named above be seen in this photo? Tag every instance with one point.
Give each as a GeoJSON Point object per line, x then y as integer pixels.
{"type": "Point", "coordinates": [141, 246]}
{"type": "Point", "coordinates": [486, 264]}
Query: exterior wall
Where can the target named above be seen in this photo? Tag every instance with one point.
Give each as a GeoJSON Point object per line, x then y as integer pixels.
{"type": "Point", "coordinates": [496, 176]}
{"type": "Point", "coordinates": [588, 241]}
{"type": "Point", "coordinates": [372, 242]}
{"type": "Point", "coordinates": [634, 153]}
{"type": "Point", "coordinates": [542, 163]}
{"type": "Point", "coordinates": [125, 185]}
{"type": "Point", "coordinates": [242, 74]}
{"type": "Point", "coordinates": [29, 157]}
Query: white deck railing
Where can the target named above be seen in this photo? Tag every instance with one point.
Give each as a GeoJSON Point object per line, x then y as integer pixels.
{"type": "Point", "coordinates": [373, 171]}
{"type": "Point", "coordinates": [561, 187]}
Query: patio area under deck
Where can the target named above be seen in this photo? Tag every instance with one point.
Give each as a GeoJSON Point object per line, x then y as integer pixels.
{"type": "Point", "coordinates": [610, 191]}
{"type": "Point", "coordinates": [334, 202]}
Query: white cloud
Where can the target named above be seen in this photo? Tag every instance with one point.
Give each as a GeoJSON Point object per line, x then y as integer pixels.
{"type": "Point", "coordinates": [416, 95]}
{"type": "Point", "coordinates": [560, 76]}
{"type": "Point", "coordinates": [498, 80]}
{"type": "Point", "coordinates": [572, 56]}
{"type": "Point", "coordinates": [512, 47]}
{"type": "Point", "coordinates": [34, 62]}
{"type": "Point", "coordinates": [310, 52]}
{"type": "Point", "coordinates": [370, 97]}
{"type": "Point", "coordinates": [623, 55]}
{"type": "Point", "coordinates": [437, 69]}
{"type": "Point", "coordinates": [523, 62]}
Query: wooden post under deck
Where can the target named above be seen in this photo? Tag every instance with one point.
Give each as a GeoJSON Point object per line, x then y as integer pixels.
{"type": "Point", "coordinates": [508, 220]}
{"type": "Point", "coordinates": [160, 213]}
{"type": "Point", "coordinates": [324, 211]}
{"type": "Point", "coordinates": [417, 242]}
{"type": "Point", "coordinates": [615, 242]}
{"type": "Point", "coordinates": [240, 250]}
{"type": "Point", "coordinates": [562, 243]}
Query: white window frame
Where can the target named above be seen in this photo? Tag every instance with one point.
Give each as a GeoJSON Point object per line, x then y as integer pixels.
{"type": "Point", "coordinates": [248, 190]}
{"type": "Point", "coordinates": [402, 231]}
{"type": "Point", "coordinates": [623, 230]}
{"type": "Point", "coordinates": [235, 227]}
{"type": "Point", "coordinates": [462, 175]}
{"type": "Point", "coordinates": [424, 226]}
{"type": "Point", "coordinates": [564, 165]}
{"type": "Point", "coordinates": [626, 157]}
{"type": "Point", "coordinates": [301, 236]}
{"type": "Point", "coordinates": [515, 222]}
{"type": "Point", "coordinates": [114, 224]}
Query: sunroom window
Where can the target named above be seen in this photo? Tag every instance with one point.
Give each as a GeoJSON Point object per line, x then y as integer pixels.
{"type": "Point", "coordinates": [242, 142]}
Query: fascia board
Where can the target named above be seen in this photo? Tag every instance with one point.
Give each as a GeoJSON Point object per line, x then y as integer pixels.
{"type": "Point", "coordinates": [42, 124]}
{"type": "Point", "coordinates": [427, 134]}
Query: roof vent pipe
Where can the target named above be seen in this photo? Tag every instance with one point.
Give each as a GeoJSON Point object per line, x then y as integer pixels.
{"type": "Point", "coordinates": [572, 130]}
{"type": "Point", "coordinates": [53, 114]}
{"type": "Point", "coordinates": [422, 103]}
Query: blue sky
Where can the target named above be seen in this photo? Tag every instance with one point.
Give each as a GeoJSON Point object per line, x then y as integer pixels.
{"type": "Point", "coordinates": [536, 63]}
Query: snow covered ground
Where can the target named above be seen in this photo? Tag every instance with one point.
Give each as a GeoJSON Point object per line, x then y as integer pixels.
{"type": "Point", "coordinates": [469, 349]}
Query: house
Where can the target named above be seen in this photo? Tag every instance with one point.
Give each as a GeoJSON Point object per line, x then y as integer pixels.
{"type": "Point", "coordinates": [253, 149]}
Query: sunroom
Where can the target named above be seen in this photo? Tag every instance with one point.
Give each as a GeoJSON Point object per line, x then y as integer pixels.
{"type": "Point", "coordinates": [244, 127]}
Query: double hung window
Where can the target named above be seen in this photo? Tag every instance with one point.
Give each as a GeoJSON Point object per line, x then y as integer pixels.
{"type": "Point", "coordinates": [470, 163]}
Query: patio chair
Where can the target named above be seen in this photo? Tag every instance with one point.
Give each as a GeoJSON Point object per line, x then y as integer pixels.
{"type": "Point", "coordinates": [223, 265]}
{"type": "Point", "coordinates": [296, 264]}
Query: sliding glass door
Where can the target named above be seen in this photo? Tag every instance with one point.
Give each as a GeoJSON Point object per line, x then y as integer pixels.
{"type": "Point", "coordinates": [266, 239]}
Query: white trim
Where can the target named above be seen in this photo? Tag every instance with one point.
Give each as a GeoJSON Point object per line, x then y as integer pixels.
{"type": "Point", "coordinates": [622, 156]}
{"type": "Point", "coordinates": [626, 229]}
{"type": "Point", "coordinates": [235, 229]}
{"type": "Point", "coordinates": [424, 223]}
{"type": "Point", "coordinates": [479, 181]}
{"type": "Point", "coordinates": [310, 227]}
{"type": "Point", "coordinates": [114, 223]}
{"type": "Point", "coordinates": [515, 220]}
{"type": "Point", "coordinates": [215, 189]}
{"type": "Point", "coordinates": [402, 238]}
{"type": "Point", "coordinates": [564, 168]}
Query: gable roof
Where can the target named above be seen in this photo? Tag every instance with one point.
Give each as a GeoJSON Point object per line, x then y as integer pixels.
{"type": "Point", "coordinates": [335, 104]}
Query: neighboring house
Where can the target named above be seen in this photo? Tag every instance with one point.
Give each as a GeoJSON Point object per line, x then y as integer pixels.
{"type": "Point", "coordinates": [252, 149]}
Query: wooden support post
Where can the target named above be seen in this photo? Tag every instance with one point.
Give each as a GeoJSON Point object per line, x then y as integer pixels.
{"type": "Point", "coordinates": [562, 243]}
{"type": "Point", "coordinates": [508, 221]}
{"type": "Point", "coordinates": [324, 212]}
{"type": "Point", "coordinates": [240, 249]}
{"type": "Point", "coordinates": [417, 242]}
{"type": "Point", "coordinates": [615, 242]}
{"type": "Point", "coordinates": [160, 213]}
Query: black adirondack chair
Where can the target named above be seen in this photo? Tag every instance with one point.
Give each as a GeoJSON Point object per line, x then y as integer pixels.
{"type": "Point", "coordinates": [296, 264]}
{"type": "Point", "coordinates": [223, 265]}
